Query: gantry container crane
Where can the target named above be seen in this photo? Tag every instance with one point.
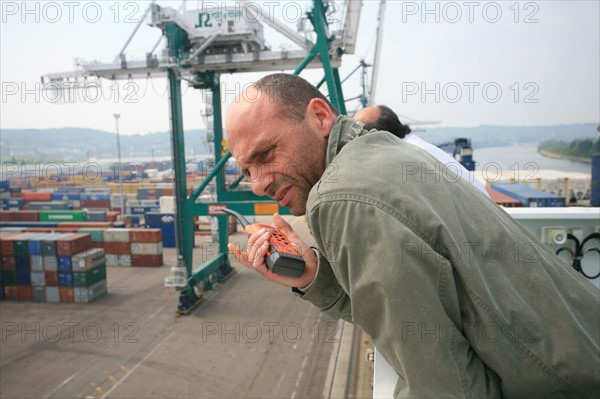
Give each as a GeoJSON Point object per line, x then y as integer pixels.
{"type": "Point", "coordinates": [201, 45]}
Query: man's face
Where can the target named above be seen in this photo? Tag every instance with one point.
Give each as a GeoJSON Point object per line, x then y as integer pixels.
{"type": "Point", "coordinates": [282, 158]}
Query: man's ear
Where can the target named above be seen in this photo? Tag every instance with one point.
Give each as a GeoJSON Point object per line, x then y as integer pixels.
{"type": "Point", "coordinates": [319, 116]}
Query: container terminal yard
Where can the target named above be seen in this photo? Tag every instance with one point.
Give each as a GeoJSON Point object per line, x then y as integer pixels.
{"type": "Point", "coordinates": [246, 339]}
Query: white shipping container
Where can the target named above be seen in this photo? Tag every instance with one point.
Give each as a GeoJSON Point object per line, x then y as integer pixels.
{"type": "Point", "coordinates": [118, 260]}
{"type": "Point", "coordinates": [38, 279]}
{"type": "Point", "coordinates": [50, 263]}
{"type": "Point", "coordinates": [146, 248]}
{"type": "Point", "coordinates": [167, 204]}
{"type": "Point", "coordinates": [116, 235]}
{"type": "Point", "coordinates": [36, 263]}
{"type": "Point", "coordinates": [88, 259]}
{"type": "Point", "coordinates": [52, 294]}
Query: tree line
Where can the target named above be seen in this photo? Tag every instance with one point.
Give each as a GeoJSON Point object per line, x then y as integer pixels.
{"type": "Point", "coordinates": [580, 148]}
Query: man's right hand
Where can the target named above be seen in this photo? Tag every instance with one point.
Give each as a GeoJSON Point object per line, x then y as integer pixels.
{"type": "Point", "coordinates": [258, 246]}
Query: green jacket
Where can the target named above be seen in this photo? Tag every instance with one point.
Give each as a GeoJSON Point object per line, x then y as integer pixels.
{"type": "Point", "coordinates": [457, 296]}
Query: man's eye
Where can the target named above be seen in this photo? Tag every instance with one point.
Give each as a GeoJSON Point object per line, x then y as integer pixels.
{"type": "Point", "coordinates": [265, 153]}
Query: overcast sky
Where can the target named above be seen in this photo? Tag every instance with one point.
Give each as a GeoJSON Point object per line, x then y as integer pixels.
{"type": "Point", "coordinates": [461, 63]}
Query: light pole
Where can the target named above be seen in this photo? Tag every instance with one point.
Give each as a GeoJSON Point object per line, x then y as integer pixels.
{"type": "Point", "coordinates": [119, 170]}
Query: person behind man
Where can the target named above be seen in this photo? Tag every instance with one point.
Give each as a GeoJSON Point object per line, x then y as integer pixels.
{"type": "Point", "coordinates": [459, 299]}
{"type": "Point", "coordinates": [381, 117]}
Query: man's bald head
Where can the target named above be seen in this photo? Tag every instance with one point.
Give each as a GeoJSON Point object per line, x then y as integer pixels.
{"type": "Point", "coordinates": [380, 117]}
{"type": "Point", "coordinates": [291, 93]}
{"type": "Point", "coordinates": [368, 115]}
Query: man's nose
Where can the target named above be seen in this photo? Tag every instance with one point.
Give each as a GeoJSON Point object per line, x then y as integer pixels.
{"type": "Point", "coordinates": [260, 182]}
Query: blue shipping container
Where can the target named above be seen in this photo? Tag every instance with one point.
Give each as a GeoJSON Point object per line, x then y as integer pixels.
{"type": "Point", "coordinates": [28, 224]}
{"type": "Point", "coordinates": [528, 196]}
{"type": "Point", "coordinates": [12, 203]}
{"type": "Point", "coordinates": [94, 197]}
{"type": "Point", "coordinates": [142, 210]}
{"type": "Point", "coordinates": [595, 201]}
{"type": "Point", "coordinates": [65, 279]}
{"type": "Point", "coordinates": [23, 278]}
{"type": "Point", "coordinates": [35, 244]}
{"type": "Point", "coordinates": [64, 264]}
{"type": "Point", "coordinates": [22, 263]}
{"type": "Point", "coordinates": [64, 196]}
{"type": "Point", "coordinates": [169, 241]}
{"type": "Point", "coordinates": [158, 220]}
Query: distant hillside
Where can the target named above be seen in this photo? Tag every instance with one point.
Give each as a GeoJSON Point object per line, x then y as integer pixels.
{"type": "Point", "coordinates": [76, 144]}
{"type": "Point", "coordinates": [499, 136]}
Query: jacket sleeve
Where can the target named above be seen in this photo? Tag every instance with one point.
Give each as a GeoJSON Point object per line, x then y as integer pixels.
{"type": "Point", "coordinates": [378, 273]}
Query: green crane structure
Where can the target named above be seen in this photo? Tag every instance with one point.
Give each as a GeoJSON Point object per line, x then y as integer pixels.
{"type": "Point", "coordinates": [199, 48]}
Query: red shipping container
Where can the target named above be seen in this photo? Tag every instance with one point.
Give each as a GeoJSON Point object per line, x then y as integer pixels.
{"type": "Point", "coordinates": [24, 293]}
{"type": "Point", "coordinates": [37, 196]}
{"type": "Point", "coordinates": [67, 294]}
{"type": "Point", "coordinates": [93, 244]}
{"type": "Point", "coordinates": [6, 243]}
{"type": "Point", "coordinates": [146, 235]}
{"type": "Point", "coordinates": [26, 216]}
{"type": "Point", "coordinates": [51, 279]}
{"type": "Point", "coordinates": [147, 260]}
{"type": "Point", "coordinates": [73, 244]}
{"type": "Point", "coordinates": [503, 199]}
{"type": "Point", "coordinates": [11, 292]}
{"type": "Point", "coordinates": [117, 248]}
{"type": "Point", "coordinates": [95, 204]}
{"type": "Point", "coordinates": [111, 216]}
{"type": "Point", "coordinates": [7, 216]}
{"type": "Point", "coordinates": [8, 262]}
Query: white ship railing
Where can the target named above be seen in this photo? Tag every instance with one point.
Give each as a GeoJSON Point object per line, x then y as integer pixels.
{"type": "Point", "coordinates": [544, 223]}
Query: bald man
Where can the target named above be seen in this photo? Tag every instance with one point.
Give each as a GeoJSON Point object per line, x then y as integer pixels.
{"type": "Point", "coordinates": [459, 299]}
{"type": "Point", "coordinates": [380, 117]}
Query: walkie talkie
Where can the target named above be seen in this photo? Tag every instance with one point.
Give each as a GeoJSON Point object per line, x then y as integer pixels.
{"type": "Point", "coordinates": [282, 258]}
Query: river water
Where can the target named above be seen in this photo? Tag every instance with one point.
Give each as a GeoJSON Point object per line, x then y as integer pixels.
{"type": "Point", "coordinates": [525, 157]}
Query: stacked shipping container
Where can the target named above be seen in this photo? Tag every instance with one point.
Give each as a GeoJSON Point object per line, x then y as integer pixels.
{"type": "Point", "coordinates": [51, 268]}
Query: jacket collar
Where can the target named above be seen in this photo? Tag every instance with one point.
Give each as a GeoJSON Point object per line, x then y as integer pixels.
{"type": "Point", "coordinates": [344, 130]}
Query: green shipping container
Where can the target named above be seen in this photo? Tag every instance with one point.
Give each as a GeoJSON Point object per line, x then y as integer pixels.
{"type": "Point", "coordinates": [90, 277]}
{"type": "Point", "coordinates": [96, 234]}
{"type": "Point", "coordinates": [62, 216]}
{"type": "Point", "coordinates": [21, 245]}
{"type": "Point", "coordinates": [9, 277]}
